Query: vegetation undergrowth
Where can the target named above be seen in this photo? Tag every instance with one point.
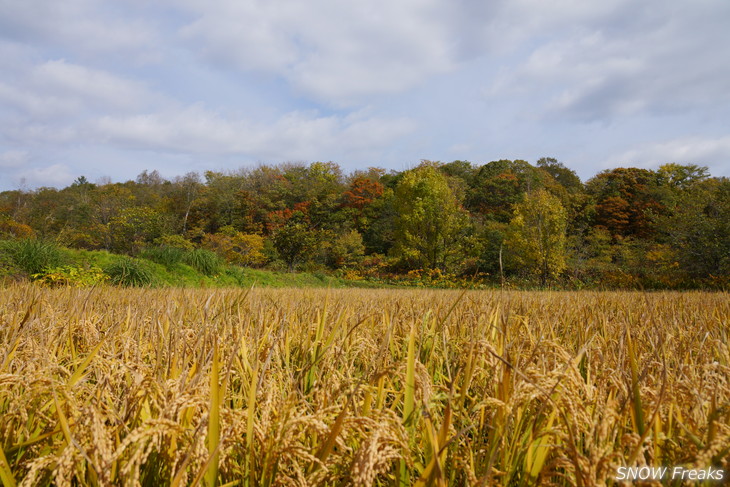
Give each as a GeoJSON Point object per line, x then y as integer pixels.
{"type": "Point", "coordinates": [127, 271]}
{"type": "Point", "coordinates": [169, 266]}
{"type": "Point", "coordinates": [156, 268]}
{"type": "Point", "coordinates": [30, 255]}
{"type": "Point", "coordinates": [203, 260]}
{"type": "Point", "coordinates": [165, 255]}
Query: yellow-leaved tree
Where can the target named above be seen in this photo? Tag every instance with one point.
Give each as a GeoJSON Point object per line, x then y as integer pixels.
{"type": "Point", "coordinates": [537, 234]}
{"type": "Point", "coordinates": [430, 219]}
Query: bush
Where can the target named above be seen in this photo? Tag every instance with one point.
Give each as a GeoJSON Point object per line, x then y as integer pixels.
{"type": "Point", "coordinates": [177, 241]}
{"type": "Point", "coordinates": [30, 255]}
{"type": "Point", "coordinates": [239, 275]}
{"type": "Point", "coordinates": [236, 247]}
{"type": "Point", "coordinates": [165, 255]}
{"type": "Point", "coordinates": [346, 250]}
{"type": "Point", "coordinates": [203, 261]}
{"type": "Point", "coordinates": [89, 237]}
{"type": "Point", "coordinates": [134, 228]}
{"type": "Point", "coordinates": [9, 228]}
{"type": "Point", "coordinates": [72, 276]}
{"type": "Point", "coordinates": [127, 271]}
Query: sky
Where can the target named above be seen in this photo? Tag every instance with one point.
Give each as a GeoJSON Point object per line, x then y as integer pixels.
{"type": "Point", "coordinates": [108, 89]}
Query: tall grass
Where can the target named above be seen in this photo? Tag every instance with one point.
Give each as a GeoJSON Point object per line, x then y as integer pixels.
{"type": "Point", "coordinates": [203, 260]}
{"type": "Point", "coordinates": [358, 387]}
{"type": "Point", "coordinates": [31, 256]}
{"type": "Point", "coordinates": [165, 255]}
{"type": "Point", "coordinates": [127, 271]}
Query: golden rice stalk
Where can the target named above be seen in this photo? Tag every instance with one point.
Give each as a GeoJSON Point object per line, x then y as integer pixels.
{"type": "Point", "coordinates": [6, 475]}
{"type": "Point", "coordinates": [214, 432]}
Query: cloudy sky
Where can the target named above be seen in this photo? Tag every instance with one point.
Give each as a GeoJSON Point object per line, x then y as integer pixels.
{"type": "Point", "coordinates": [107, 89]}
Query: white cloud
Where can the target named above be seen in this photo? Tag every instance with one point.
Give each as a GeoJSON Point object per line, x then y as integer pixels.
{"type": "Point", "coordinates": [35, 104]}
{"type": "Point", "coordinates": [713, 152]}
{"type": "Point", "coordinates": [88, 26]}
{"type": "Point", "coordinates": [334, 51]}
{"type": "Point", "coordinates": [59, 89]}
{"type": "Point", "coordinates": [13, 158]}
{"type": "Point", "coordinates": [81, 82]}
{"type": "Point", "coordinates": [60, 103]}
{"type": "Point", "coordinates": [658, 59]}
{"type": "Point", "coordinates": [295, 135]}
{"type": "Point", "coordinates": [57, 175]}
{"type": "Point", "coordinates": [384, 82]}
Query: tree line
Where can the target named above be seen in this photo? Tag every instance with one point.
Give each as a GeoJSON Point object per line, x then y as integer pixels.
{"type": "Point", "coordinates": [505, 221]}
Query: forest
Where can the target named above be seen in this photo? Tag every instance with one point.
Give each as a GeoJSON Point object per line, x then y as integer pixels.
{"type": "Point", "coordinates": [506, 222]}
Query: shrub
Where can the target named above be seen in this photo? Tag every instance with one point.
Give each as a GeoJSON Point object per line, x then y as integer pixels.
{"type": "Point", "coordinates": [239, 275]}
{"type": "Point", "coordinates": [177, 241]}
{"type": "Point", "coordinates": [31, 256]}
{"type": "Point", "coordinates": [90, 237]}
{"type": "Point", "coordinates": [135, 227]}
{"type": "Point", "coordinates": [203, 261]}
{"type": "Point", "coordinates": [127, 271]}
{"type": "Point", "coordinates": [343, 250]}
{"type": "Point", "coordinates": [72, 276]}
{"type": "Point", "coordinates": [11, 228]}
{"type": "Point", "coordinates": [237, 247]}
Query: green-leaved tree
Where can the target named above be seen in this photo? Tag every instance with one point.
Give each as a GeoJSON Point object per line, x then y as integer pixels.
{"type": "Point", "coordinates": [537, 234]}
{"type": "Point", "coordinates": [295, 241]}
{"type": "Point", "coordinates": [429, 219]}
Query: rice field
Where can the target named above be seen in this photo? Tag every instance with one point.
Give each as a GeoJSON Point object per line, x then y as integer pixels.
{"type": "Point", "coordinates": [269, 387]}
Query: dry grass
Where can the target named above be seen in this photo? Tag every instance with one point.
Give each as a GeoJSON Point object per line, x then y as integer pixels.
{"type": "Point", "coordinates": [313, 387]}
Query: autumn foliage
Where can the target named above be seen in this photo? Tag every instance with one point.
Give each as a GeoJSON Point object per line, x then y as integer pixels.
{"type": "Point", "coordinates": [625, 227]}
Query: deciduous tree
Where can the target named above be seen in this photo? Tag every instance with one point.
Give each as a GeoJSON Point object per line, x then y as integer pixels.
{"type": "Point", "coordinates": [626, 200]}
{"type": "Point", "coordinates": [429, 219]}
{"type": "Point", "coordinates": [537, 234]}
{"type": "Point", "coordinates": [294, 241]}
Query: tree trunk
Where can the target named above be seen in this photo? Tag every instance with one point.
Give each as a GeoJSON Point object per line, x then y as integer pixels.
{"type": "Point", "coordinates": [501, 268]}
